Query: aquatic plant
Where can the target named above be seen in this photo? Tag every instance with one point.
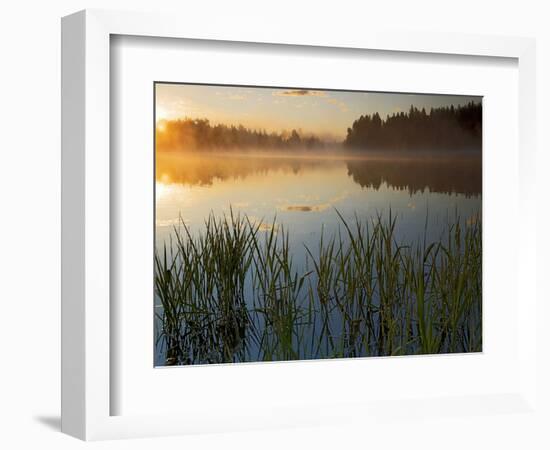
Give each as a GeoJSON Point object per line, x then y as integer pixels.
{"type": "Point", "coordinates": [232, 293]}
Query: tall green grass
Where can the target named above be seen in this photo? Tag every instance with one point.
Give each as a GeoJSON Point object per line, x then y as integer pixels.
{"type": "Point", "coordinates": [232, 293]}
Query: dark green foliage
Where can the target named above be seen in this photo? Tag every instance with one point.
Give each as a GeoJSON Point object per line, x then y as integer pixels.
{"type": "Point", "coordinates": [446, 128]}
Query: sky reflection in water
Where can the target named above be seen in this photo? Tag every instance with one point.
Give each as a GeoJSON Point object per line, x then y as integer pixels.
{"type": "Point", "coordinates": [301, 193]}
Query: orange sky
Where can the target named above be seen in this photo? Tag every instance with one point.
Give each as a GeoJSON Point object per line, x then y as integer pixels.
{"type": "Point", "coordinates": [325, 113]}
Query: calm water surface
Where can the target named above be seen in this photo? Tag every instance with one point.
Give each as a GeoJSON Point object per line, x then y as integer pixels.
{"type": "Point", "coordinates": [301, 193]}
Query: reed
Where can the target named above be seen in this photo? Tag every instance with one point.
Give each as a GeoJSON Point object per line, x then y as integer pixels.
{"type": "Point", "coordinates": [232, 293]}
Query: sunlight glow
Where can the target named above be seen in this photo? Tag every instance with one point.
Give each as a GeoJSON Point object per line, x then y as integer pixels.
{"type": "Point", "coordinates": [162, 190]}
{"type": "Point", "coordinates": [161, 126]}
{"type": "Point", "coordinates": [160, 113]}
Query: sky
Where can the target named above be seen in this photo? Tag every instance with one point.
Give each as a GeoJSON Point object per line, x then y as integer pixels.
{"type": "Point", "coordinates": [325, 113]}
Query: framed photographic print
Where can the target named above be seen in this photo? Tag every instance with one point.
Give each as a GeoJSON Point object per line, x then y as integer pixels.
{"type": "Point", "coordinates": [296, 224]}
{"type": "Point", "coordinates": [263, 229]}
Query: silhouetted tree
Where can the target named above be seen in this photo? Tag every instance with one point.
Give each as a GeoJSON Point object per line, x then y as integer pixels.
{"type": "Point", "coordinates": [445, 128]}
{"type": "Point", "coordinates": [199, 134]}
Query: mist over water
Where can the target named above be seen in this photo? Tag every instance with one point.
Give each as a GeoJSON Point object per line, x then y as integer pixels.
{"type": "Point", "coordinates": [302, 192]}
{"type": "Point", "coordinates": [302, 189]}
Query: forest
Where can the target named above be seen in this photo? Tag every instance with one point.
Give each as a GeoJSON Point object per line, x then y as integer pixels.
{"type": "Point", "coordinates": [445, 128]}
{"type": "Point", "coordinates": [200, 134]}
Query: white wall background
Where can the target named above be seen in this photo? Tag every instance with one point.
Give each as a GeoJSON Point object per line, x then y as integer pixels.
{"type": "Point", "coordinates": [30, 205]}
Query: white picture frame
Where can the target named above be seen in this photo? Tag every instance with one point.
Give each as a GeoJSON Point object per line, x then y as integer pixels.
{"type": "Point", "coordinates": [87, 325]}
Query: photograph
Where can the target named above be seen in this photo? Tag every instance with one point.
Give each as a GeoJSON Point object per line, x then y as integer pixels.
{"type": "Point", "coordinates": [300, 223]}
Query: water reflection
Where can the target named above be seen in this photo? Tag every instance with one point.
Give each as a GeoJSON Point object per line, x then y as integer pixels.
{"type": "Point", "coordinates": [458, 174]}
{"type": "Point", "coordinates": [203, 169]}
{"type": "Point", "coordinates": [301, 202]}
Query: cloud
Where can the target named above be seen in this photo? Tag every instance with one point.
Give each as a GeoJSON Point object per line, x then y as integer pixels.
{"type": "Point", "coordinates": [340, 104]}
{"type": "Point", "coordinates": [229, 95]}
{"type": "Point", "coordinates": [311, 93]}
{"type": "Point", "coordinates": [315, 207]}
{"type": "Point", "coordinates": [299, 93]}
{"type": "Point", "coordinates": [263, 226]}
{"type": "Point", "coordinates": [306, 208]}
{"type": "Point", "coordinates": [339, 197]}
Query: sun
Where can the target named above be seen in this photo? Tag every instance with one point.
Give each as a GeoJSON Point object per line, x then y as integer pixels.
{"type": "Point", "coordinates": [161, 125]}
{"type": "Point", "coordinates": [162, 190]}
{"type": "Point", "coordinates": [160, 113]}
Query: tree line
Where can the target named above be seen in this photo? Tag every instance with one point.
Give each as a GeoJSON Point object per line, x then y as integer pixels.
{"type": "Point", "coordinates": [200, 134]}
{"type": "Point", "coordinates": [444, 128]}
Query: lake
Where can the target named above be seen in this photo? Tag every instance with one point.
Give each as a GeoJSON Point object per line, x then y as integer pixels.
{"type": "Point", "coordinates": [301, 192]}
{"type": "Point", "coordinates": [310, 195]}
